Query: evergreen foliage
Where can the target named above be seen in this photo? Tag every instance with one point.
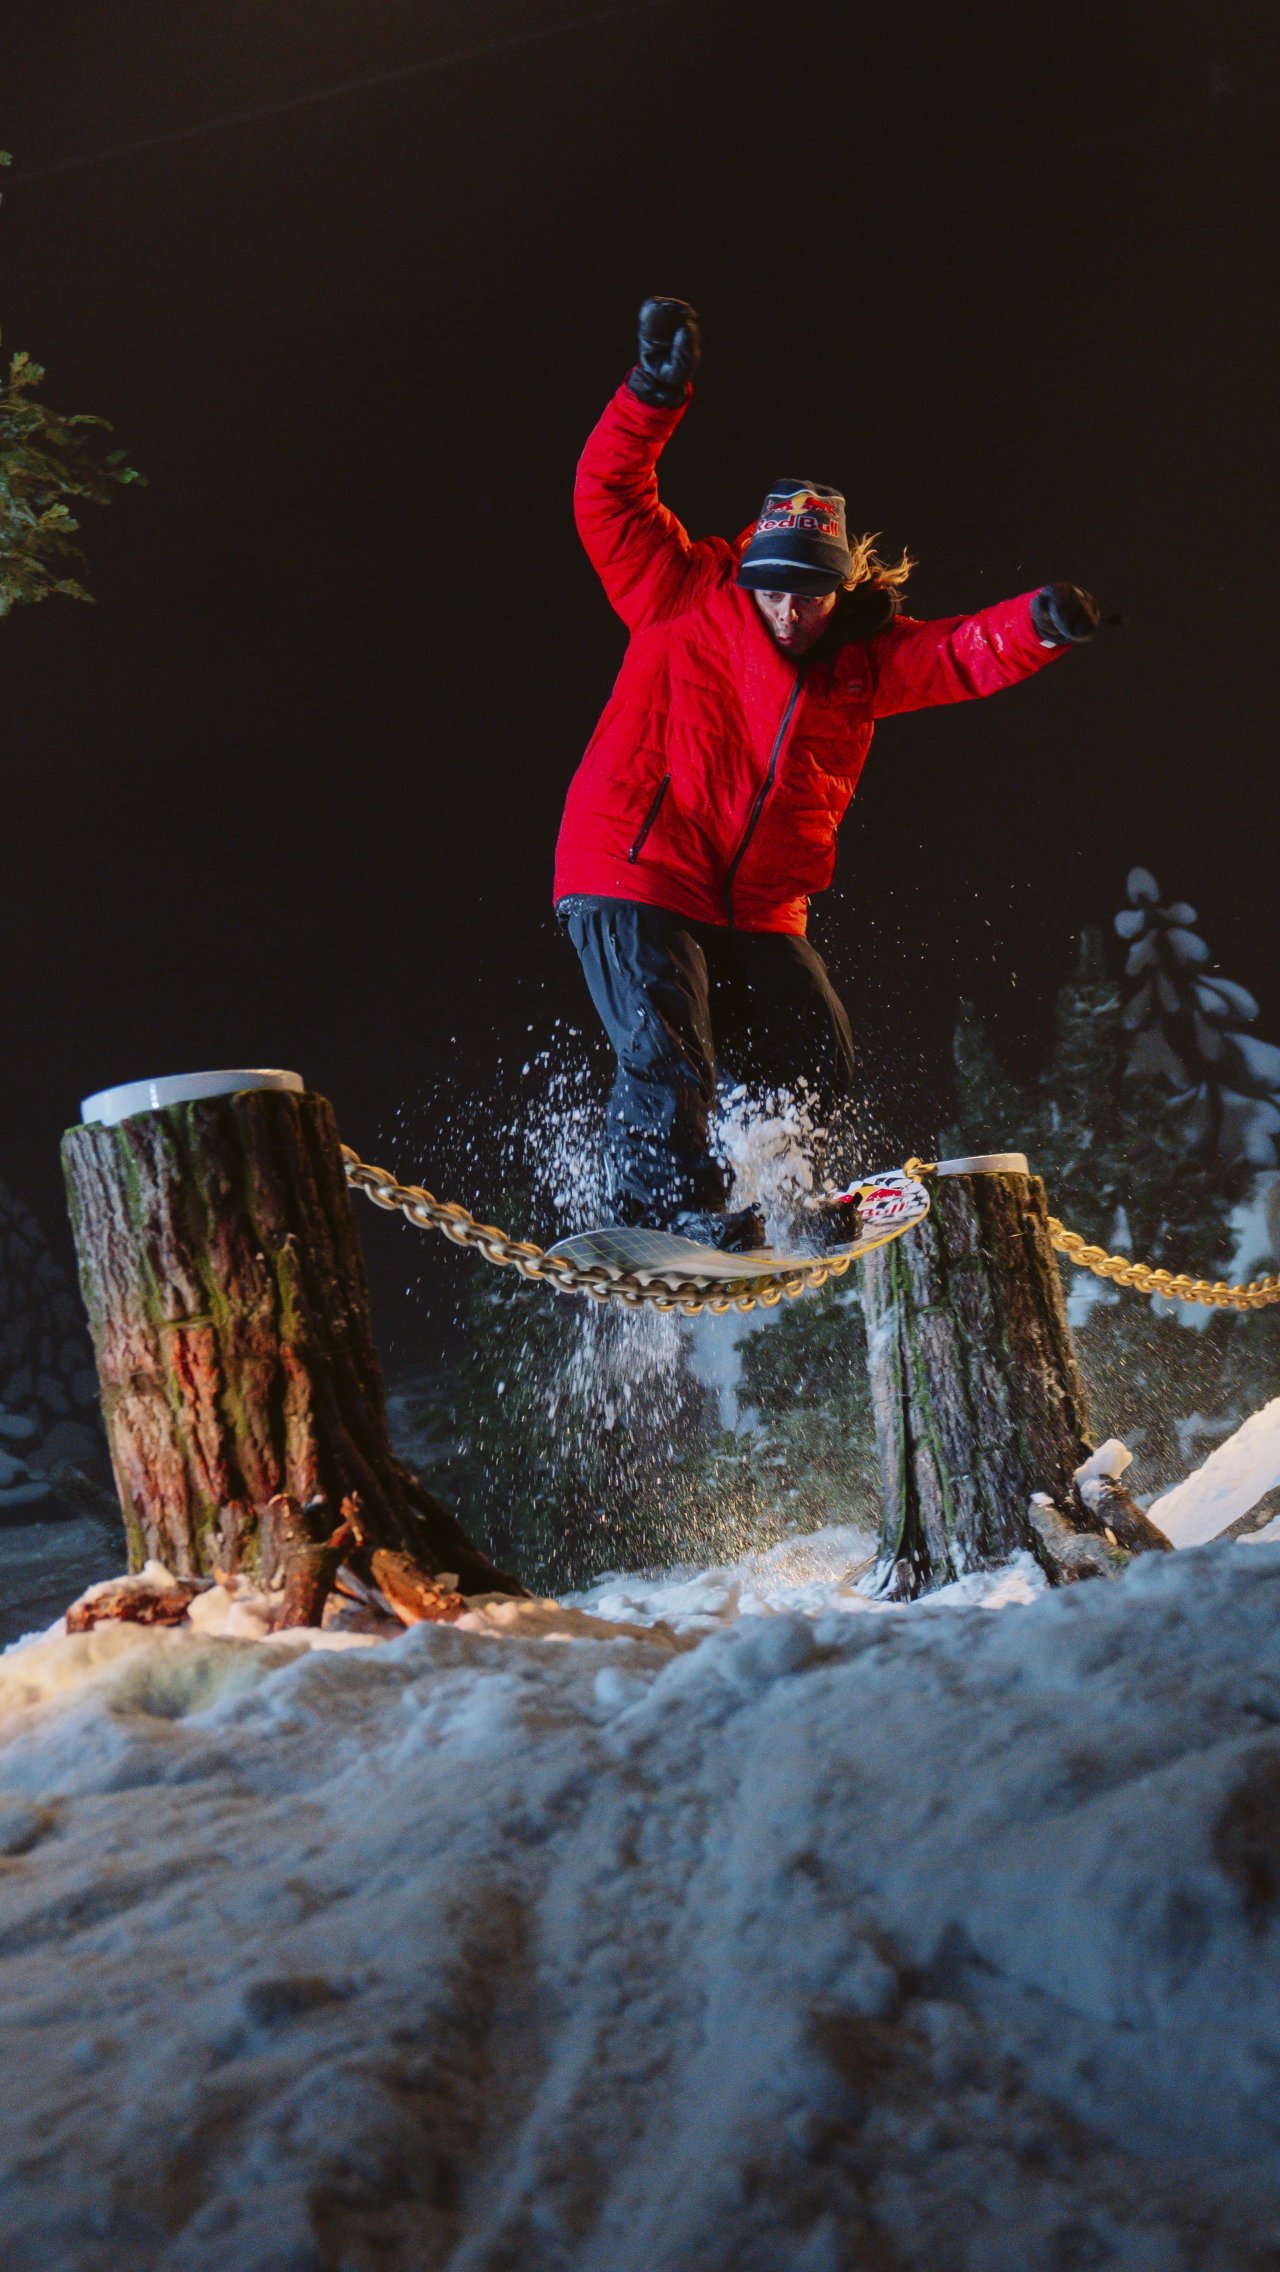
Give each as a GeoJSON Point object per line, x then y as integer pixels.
{"type": "Point", "coordinates": [806, 1446]}
{"type": "Point", "coordinates": [1109, 1131]}
{"type": "Point", "coordinates": [1188, 1034]}
{"type": "Point", "coordinates": [50, 462]}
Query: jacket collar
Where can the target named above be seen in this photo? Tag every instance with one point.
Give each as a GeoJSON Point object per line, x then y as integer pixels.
{"type": "Point", "coordinates": [857, 615]}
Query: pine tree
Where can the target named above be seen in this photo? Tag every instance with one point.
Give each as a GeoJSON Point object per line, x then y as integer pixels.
{"type": "Point", "coordinates": [1188, 1034]}
{"type": "Point", "coordinates": [1077, 1117]}
{"type": "Point", "coordinates": [1109, 1135]}
{"type": "Point", "coordinates": [50, 461]}
{"type": "Point", "coordinates": [808, 1453]}
{"type": "Point", "coordinates": [993, 1111]}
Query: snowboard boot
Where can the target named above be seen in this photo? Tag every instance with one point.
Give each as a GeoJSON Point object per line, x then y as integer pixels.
{"type": "Point", "coordinates": [827, 1228]}
{"type": "Point", "coordinates": [739, 1233]}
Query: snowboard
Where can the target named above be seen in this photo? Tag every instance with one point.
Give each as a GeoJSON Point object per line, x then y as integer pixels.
{"type": "Point", "coordinates": [880, 1208]}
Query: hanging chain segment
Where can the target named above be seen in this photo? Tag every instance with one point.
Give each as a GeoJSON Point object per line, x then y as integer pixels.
{"type": "Point", "coordinates": [1210, 1293]}
{"type": "Point", "coordinates": [465, 1229]}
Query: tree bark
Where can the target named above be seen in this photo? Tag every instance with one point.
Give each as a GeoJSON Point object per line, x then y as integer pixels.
{"type": "Point", "coordinates": [978, 1400]}
{"type": "Point", "coordinates": [227, 1300]}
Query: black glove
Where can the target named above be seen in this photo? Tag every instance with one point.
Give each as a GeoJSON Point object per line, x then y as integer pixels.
{"type": "Point", "coordinates": [669, 353]}
{"type": "Point", "coordinates": [1064, 616]}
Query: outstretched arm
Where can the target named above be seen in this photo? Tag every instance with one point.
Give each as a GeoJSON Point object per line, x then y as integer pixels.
{"type": "Point", "coordinates": [639, 550]}
{"type": "Point", "coordinates": [959, 657]}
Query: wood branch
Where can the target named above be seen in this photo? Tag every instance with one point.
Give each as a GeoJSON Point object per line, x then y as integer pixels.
{"type": "Point", "coordinates": [1110, 1509]}
{"type": "Point", "coordinates": [308, 1551]}
{"type": "Point", "coordinates": [131, 1601]}
{"type": "Point", "coordinates": [414, 1598]}
{"type": "Point", "coordinates": [1066, 1554]}
{"type": "Point", "coordinates": [1100, 1502]}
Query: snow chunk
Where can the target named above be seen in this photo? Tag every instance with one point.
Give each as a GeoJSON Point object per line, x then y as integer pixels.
{"type": "Point", "coordinates": [1104, 1466]}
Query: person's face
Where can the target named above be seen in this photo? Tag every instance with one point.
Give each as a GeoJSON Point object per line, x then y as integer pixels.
{"type": "Point", "coordinates": [794, 621]}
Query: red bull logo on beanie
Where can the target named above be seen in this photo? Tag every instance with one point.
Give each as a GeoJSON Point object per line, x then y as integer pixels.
{"type": "Point", "coordinates": [801, 509]}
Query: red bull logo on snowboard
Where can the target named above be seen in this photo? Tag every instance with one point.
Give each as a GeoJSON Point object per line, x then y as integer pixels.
{"type": "Point", "coordinates": [892, 1198]}
{"type": "Point", "coordinates": [803, 509]}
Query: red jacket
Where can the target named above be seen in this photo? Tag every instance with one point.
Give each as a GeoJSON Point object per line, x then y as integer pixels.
{"type": "Point", "coordinates": [720, 771]}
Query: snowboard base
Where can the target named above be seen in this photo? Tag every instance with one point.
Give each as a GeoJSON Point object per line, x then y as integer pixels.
{"type": "Point", "coordinates": [887, 1206]}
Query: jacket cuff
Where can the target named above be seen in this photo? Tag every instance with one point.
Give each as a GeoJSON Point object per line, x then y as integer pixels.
{"type": "Point", "coordinates": [648, 419]}
{"type": "Point", "coordinates": [1041, 622]}
{"type": "Point", "coordinates": [1038, 649]}
{"type": "Point", "coordinates": [651, 397]}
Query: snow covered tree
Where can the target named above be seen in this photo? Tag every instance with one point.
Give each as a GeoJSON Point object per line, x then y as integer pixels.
{"type": "Point", "coordinates": [50, 463]}
{"type": "Point", "coordinates": [1111, 1145]}
{"type": "Point", "coordinates": [1187, 1029]}
{"type": "Point", "coordinates": [993, 1110]}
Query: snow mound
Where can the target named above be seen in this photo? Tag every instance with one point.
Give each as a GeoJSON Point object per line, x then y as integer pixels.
{"type": "Point", "coordinates": [812, 1574]}
{"type": "Point", "coordinates": [719, 1935]}
{"type": "Point", "coordinates": [1233, 1478]}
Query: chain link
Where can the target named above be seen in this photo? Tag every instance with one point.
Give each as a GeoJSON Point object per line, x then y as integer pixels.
{"type": "Point", "coordinates": [465, 1229]}
{"type": "Point", "coordinates": [1214, 1293]}
{"type": "Point", "coordinates": [695, 1295]}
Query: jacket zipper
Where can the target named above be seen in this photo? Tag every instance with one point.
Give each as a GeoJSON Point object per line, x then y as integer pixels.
{"type": "Point", "coordinates": [758, 807]}
{"type": "Point", "coordinates": [649, 818]}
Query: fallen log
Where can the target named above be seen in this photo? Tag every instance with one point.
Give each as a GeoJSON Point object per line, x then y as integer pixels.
{"type": "Point", "coordinates": [133, 1601]}
{"type": "Point", "coordinates": [1066, 1554]}
{"type": "Point", "coordinates": [415, 1599]}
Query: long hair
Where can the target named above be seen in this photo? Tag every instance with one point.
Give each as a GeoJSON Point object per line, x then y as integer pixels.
{"type": "Point", "coordinates": [869, 568]}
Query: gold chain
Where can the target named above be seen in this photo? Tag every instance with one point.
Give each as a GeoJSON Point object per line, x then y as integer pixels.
{"type": "Point", "coordinates": [1210, 1293]}
{"type": "Point", "coordinates": [465, 1229]}
{"type": "Point", "coordinates": [1214, 1294]}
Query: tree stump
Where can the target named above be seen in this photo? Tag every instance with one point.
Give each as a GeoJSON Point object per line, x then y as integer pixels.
{"type": "Point", "coordinates": [979, 1405]}
{"type": "Point", "coordinates": [227, 1301]}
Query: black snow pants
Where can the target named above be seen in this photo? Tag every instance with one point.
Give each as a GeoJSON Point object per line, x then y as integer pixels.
{"type": "Point", "coordinates": [685, 1004]}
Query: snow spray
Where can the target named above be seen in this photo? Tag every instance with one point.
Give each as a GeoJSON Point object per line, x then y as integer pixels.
{"type": "Point", "coordinates": [611, 1437]}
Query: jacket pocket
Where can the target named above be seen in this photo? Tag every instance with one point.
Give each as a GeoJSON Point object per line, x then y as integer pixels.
{"type": "Point", "coordinates": [649, 818]}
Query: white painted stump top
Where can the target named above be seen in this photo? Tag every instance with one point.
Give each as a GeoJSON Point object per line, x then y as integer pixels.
{"type": "Point", "coordinates": [986, 1163]}
{"type": "Point", "coordinates": [110, 1106]}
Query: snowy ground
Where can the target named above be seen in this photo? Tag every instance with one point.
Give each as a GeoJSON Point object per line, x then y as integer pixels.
{"type": "Point", "coordinates": [785, 1932]}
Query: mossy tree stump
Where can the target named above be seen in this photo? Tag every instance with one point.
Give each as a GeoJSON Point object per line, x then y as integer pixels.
{"type": "Point", "coordinates": [980, 1410]}
{"type": "Point", "coordinates": [227, 1300]}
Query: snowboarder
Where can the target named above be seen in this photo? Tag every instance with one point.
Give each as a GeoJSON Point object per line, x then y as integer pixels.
{"type": "Point", "coordinates": [704, 812]}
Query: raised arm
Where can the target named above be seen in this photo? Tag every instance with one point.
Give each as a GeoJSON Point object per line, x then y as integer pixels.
{"type": "Point", "coordinates": [957, 658]}
{"type": "Point", "coordinates": [639, 550]}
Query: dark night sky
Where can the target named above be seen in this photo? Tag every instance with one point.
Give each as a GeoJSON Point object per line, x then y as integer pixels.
{"type": "Point", "coordinates": [288, 794]}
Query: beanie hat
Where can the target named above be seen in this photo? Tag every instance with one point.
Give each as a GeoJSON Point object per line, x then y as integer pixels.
{"type": "Point", "coordinates": [799, 543]}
